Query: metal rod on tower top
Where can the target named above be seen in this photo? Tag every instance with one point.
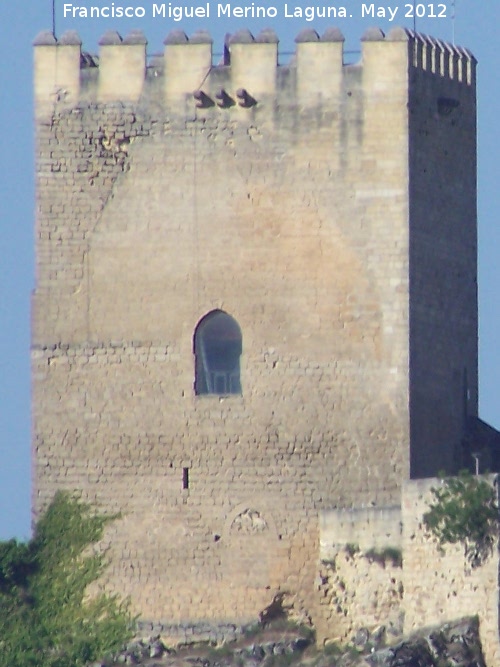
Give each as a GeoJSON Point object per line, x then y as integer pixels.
{"type": "Point", "coordinates": [54, 17]}
{"type": "Point", "coordinates": [414, 17]}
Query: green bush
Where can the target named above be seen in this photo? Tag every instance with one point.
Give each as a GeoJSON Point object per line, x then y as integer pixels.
{"type": "Point", "coordinates": [464, 510]}
{"type": "Point", "coordinates": [382, 556]}
{"type": "Point", "coordinates": [46, 617]}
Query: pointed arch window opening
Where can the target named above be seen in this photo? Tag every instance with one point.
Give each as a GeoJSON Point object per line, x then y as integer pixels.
{"type": "Point", "coordinates": [217, 349]}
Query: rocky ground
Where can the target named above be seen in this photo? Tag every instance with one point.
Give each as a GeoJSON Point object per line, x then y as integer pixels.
{"type": "Point", "coordinates": [454, 644]}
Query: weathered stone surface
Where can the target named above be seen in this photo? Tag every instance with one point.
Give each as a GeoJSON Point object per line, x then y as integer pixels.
{"type": "Point", "coordinates": [331, 211]}
{"type": "Point", "coordinates": [456, 644]}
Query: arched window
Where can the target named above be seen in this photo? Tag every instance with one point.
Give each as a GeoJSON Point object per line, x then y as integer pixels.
{"type": "Point", "coordinates": [217, 350]}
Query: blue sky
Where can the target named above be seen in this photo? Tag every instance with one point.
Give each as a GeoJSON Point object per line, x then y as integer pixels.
{"type": "Point", "coordinates": [476, 26]}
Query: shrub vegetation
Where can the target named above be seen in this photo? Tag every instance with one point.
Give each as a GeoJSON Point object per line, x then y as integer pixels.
{"type": "Point", "coordinates": [47, 619]}
{"type": "Point", "coordinates": [464, 510]}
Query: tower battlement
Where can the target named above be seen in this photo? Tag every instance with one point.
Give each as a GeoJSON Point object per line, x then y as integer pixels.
{"type": "Point", "coordinates": [250, 70]}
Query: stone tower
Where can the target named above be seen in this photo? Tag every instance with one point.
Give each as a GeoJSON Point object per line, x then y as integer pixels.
{"type": "Point", "coordinates": [255, 298]}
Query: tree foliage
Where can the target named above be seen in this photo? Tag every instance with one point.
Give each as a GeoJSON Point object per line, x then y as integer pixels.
{"type": "Point", "coordinates": [464, 510]}
{"type": "Point", "coordinates": [47, 618]}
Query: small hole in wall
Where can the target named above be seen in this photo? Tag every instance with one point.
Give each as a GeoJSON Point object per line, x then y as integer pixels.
{"type": "Point", "coordinates": [185, 478]}
{"type": "Point", "coordinates": [216, 538]}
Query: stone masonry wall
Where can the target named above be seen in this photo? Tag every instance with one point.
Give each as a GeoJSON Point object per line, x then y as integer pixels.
{"type": "Point", "coordinates": [360, 576]}
{"type": "Point", "coordinates": [443, 586]}
{"type": "Point", "coordinates": [286, 207]}
{"type": "Point", "coordinates": [395, 579]}
{"type": "Point", "coordinates": [443, 272]}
